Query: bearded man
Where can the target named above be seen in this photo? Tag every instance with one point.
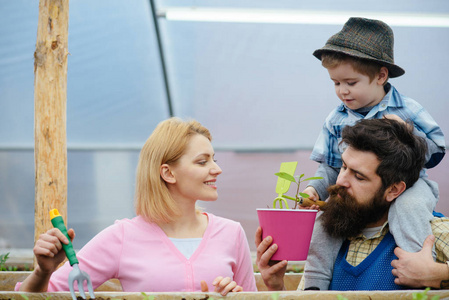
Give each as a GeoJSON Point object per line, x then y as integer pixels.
{"type": "Point", "coordinates": [382, 158]}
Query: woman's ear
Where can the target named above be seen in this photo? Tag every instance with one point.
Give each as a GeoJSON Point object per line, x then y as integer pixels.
{"type": "Point", "coordinates": [382, 76]}
{"type": "Point", "coordinates": [167, 174]}
{"type": "Point", "coordinates": [394, 191]}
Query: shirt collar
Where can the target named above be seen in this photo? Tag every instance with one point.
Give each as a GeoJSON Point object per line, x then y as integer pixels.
{"type": "Point", "coordinates": [383, 231]}
{"type": "Point", "coordinates": [391, 99]}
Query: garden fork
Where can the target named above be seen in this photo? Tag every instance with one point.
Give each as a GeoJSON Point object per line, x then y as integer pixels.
{"type": "Point", "coordinates": [76, 274]}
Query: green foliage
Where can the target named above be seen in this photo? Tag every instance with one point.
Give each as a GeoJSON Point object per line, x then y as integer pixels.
{"type": "Point", "coordinates": [3, 259]}
{"type": "Point", "coordinates": [423, 295]}
{"type": "Point", "coordinates": [297, 180]}
{"type": "Point", "coordinates": [147, 297]}
{"type": "Point", "coordinates": [3, 267]}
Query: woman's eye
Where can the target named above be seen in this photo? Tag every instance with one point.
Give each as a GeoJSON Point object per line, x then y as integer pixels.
{"type": "Point", "coordinates": [203, 162]}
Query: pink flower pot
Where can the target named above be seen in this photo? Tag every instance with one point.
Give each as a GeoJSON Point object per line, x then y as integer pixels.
{"type": "Point", "coordinates": [290, 229]}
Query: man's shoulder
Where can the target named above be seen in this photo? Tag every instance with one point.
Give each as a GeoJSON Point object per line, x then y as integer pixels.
{"type": "Point", "coordinates": [440, 223]}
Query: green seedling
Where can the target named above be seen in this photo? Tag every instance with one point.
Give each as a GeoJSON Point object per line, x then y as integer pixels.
{"type": "Point", "coordinates": [285, 178]}
{"type": "Point", "coordinates": [423, 295]}
{"type": "Point", "coordinates": [147, 297]}
{"type": "Point", "coordinates": [3, 259]}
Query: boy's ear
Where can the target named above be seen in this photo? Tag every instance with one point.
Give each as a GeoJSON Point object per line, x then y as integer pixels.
{"type": "Point", "coordinates": [167, 174]}
{"type": "Point", "coordinates": [382, 76]}
{"type": "Point", "coordinates": [394, 191]}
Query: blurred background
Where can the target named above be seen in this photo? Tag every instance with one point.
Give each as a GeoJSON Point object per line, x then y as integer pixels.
{"type": "Point", "coordinates": [243, 68]}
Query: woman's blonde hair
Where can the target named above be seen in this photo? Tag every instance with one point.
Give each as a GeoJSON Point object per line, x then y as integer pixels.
{"type": "Point", "coordinates": [165, 145]}
{"type": "Point", "coordinates": [330, 60]}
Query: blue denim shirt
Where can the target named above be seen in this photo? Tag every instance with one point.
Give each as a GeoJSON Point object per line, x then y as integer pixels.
{"type": "Point", "coordinates": [328, 150]}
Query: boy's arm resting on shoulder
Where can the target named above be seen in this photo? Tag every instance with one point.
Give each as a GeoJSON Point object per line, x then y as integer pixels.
{"type": "Point", "coordinates": [419, 269]}
{"type": "Point", "coordinates": [434, 153]}
{"type": "Point", "coordinates": [431, 132]}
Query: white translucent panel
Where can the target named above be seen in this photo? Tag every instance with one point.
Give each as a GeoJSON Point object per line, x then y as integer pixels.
{"type": "Point", "coordinates": [258, 86]}
{"type": "Point", "coordinates": [115, 88]}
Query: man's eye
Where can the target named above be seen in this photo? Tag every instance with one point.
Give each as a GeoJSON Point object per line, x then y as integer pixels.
{"type": "Point", "coordinates": [359, 178]}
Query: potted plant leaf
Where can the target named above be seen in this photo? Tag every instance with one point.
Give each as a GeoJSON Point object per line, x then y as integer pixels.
{"type": "Point", "coordinates": [291, 229]}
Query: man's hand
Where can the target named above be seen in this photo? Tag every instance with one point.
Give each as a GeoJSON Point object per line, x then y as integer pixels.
{"type": "Point", "coordinates": [419, 269]}
{"type": "Point", "coordinates": [222, 286]}
{"type": "Point", "coordinates": [272, 272]}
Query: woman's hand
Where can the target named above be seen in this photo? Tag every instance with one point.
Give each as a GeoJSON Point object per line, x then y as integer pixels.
{"type": "Point", "coordinates": [48, 249]}
{"type": "Point", "coordinates": [49, 255]}
{"type": "Point", "coordinates": [222, 286]}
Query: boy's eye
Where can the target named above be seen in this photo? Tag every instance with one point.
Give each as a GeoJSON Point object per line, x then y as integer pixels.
{"type": "Point", "coordinates": [351, 83]}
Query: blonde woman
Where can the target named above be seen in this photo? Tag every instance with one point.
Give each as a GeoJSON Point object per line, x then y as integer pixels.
{"type": "Point", "coordinates": [170, 246]}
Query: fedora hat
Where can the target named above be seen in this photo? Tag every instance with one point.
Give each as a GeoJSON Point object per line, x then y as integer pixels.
{"type": "Point", "coordinates": [366, 39]}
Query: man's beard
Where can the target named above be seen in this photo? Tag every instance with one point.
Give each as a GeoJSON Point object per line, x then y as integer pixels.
{"type": "Point", "coordinates": [344, 217]}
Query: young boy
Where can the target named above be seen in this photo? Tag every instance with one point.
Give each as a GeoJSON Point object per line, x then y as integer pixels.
{"type": "Point", "coordinates": [360, 60]}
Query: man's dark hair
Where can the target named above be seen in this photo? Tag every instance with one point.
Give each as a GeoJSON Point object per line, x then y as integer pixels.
{"type": "Point", "coordinates": [402, 154]}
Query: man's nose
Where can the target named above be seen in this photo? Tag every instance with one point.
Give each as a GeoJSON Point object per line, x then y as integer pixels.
{"type": "Point", "coordinates": [342, 179]}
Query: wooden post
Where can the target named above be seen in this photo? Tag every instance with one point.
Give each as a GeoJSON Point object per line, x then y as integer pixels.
{"type": "Point", "coordinates": [50, 97]}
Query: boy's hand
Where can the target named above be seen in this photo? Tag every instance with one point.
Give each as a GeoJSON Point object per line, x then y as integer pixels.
{"type": "Point", "coordinates": [397, 118]}
{"type": "Point", "coordinates": [394, 117]}
{"type": "Point", "coordinates": [313, 195]}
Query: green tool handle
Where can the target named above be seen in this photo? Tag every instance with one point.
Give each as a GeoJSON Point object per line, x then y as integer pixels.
{"type": "Point", "coordinates": [58, 222]}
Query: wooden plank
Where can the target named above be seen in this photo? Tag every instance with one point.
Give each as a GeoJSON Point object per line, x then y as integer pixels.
{"type": "Point", "coordinates": [325, 295]}
{"type": "Point", "coordinates": [112, 290]}
{"type": "Point", "coordinates": [50, 94]}
{"type": "Point", "coordinates": [8, 281]}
